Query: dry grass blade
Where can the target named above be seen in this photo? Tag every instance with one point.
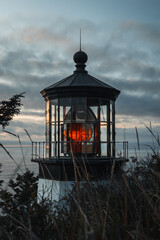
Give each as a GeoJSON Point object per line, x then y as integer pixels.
{"type": "Point", "coordinates": [137, 136]}
{"type": "Point", "coordinates": [85, 169]}
{"type": "Point", "coordinates": [153, 135]}
{"type": "Point", "coordinates": [10, 133]}
{"type": "Point", "coordinates": [22, 151]}
{"type": "Point", "coordinates": [11, 157]}
{"type": "Point", "coordinates": [76, 169]}
{"type": "Point", "coordinates": [129, 189]}
{"type": "Point", "coordinates": [28, 135]}
{"type": "Point", "coordinates": [148, 200]}
{"type": "Point", "coordinates": [19, 140]}
{"type": "Point", "coordinates": [157, 174]}
{"type": "Point", "coordinates": [34, 237]}
{"type": "Point", "coordinates": [81, 211]}
{"type": "Point", "coordinates": [156, 155]}
{"type": "Point", "coordinates": [108, 199]}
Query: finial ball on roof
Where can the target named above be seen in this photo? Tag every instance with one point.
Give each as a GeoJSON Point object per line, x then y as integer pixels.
{"type": "Point", "coordinates": [80, 57]}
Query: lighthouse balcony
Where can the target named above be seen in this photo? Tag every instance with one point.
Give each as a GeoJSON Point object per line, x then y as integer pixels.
{"type": "Point", "coordinates": [58, 151]}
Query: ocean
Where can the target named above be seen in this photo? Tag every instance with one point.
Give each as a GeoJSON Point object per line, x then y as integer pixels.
{"type": "Point", "coordinates": [17, 160]}
{"type": "Point", "coordinates": [20, 159]}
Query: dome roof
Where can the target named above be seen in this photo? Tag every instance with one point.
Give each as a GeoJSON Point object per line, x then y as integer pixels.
{"type": "Point", "coordinates": [80, 84]}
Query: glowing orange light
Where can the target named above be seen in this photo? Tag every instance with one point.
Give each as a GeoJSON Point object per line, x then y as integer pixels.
{"type": "Point", "coordinates": [79, 133]}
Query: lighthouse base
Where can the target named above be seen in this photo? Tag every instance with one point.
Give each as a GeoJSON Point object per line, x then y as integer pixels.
{"type": "Point", "coordinates": [53, 190]}
{"type": "Point", "coordinates": [57, 177]}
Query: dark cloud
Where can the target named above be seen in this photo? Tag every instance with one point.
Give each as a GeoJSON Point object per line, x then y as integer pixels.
{"type": "Point", "coordinates": [149, 33]}
{"type": "Point", "coordinates": [35, 58]}
{"type": "Point", "coordinates": [145, 137]}
{"type": "Point", "coordinates": [138, 106]}
{"type": "Point", "coordinates": [134, 86]}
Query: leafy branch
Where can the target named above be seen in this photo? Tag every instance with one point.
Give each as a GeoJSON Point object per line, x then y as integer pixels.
{"type": "Point", "coordinates": [10, 108]}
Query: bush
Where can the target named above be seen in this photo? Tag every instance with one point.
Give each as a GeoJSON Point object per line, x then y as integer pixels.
{"type": "Point", "coordinates": [127, 207]}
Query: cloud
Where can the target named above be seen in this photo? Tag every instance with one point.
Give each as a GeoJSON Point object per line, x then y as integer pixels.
{"type": "Point", "coordinates": [43, 35]}
{"type": "Point", "coordinates": [147, 87]}
{"type": "Point", "coordinates": [145, 137]}
{"type": "Point", "coordinates": [138, 106]}
{"type": "Point", "coordinates": [126, 57]}
{"type": "Point", "coordinates": [148, 32]}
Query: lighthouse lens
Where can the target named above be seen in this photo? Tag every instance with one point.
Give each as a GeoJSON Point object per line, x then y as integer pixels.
{"type": "Point", "coordinates": [79, 131]}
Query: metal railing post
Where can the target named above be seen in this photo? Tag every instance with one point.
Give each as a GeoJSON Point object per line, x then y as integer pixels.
{"type": "Point", "coordinates": [36, 149]}
{"type": "Point", "coordinates": [39, 150]}
{"type": "Point", "coordinates": [32, 150]}
{"type": "Point", "coordinates": [43, 150]}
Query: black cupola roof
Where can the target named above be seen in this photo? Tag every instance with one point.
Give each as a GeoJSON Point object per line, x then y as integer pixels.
{"type": "Point", "coordinates": [80, 83]}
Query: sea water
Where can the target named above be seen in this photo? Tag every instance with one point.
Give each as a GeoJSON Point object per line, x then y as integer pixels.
{"type": "Point", "coordinates": [16, 159]}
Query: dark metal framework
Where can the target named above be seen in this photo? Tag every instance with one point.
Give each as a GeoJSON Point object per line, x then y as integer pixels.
{"type": "Point", "coordinates": [60, 120]}
{"type": "Point", "coordinates": [101, 127]}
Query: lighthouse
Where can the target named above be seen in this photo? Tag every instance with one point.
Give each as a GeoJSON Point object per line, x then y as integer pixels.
{"type": "Point", "coordinates": [80, 133]}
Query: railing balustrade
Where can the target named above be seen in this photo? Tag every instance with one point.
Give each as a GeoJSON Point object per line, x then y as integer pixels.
{"type": "Point", "coordinates": [43, 150]}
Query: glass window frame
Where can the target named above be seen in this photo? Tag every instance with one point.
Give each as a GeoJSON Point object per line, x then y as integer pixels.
{"type": "Point", "coordinates": [54, 123]}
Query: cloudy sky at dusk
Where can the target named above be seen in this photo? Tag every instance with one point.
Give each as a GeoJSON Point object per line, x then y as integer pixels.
{"type": "Point", "coordinates": [121, 37]}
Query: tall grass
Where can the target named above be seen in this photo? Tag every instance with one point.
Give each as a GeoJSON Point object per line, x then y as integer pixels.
{"type": "Point", "coordinates": [127, 207]}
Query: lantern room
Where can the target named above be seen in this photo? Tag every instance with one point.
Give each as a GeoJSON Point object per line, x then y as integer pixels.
{"type": "Point", "coordinates": [80, 125]}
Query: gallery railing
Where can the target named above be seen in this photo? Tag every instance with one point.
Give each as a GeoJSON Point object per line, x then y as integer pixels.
{"type": "Point", "coordinates": [49, 150]}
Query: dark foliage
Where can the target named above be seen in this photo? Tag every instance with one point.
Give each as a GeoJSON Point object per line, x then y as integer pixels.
{"type": "Point", "coordinates": [10, 108]}
{"type": "Point", "coordinates": [15, 204]}
{"type": "Point", "coordinates": [1, 181]}
{"type": "Point", "coordinates": [22, 217]}
{"type": "Point", "coordinates": [127, 208]}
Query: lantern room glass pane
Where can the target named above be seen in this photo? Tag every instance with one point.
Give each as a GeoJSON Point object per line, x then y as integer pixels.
{"type": "Point", "coordinates": [103, 110]}
{"type": "Point", "coordinates": [103, 131]}
{"type": "Point", "coordinates": [52, 113]}
{"type": "Point", "coordinates": [78, 128]}
{"type": "Point", "coordinates": [79, 125]}
{"type": "Point", "coordinates": [93, 104]}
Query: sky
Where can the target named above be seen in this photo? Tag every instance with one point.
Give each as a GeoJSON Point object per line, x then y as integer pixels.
{"type": "Point", "coordinates": [121, 38]}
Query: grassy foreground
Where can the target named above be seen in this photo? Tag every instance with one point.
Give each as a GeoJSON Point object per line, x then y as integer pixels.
{"type": "Point", "coordinates": [128, 208]}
